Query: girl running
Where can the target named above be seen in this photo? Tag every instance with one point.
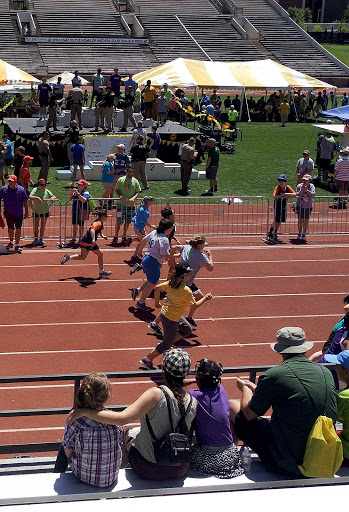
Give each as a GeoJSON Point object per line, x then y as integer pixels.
{"type": "Point", "coordinates": [179, 297]}
{"type": "Point", "coordinates": [157, 253]}
{"type": "Point", "coordinates": [89, 243]}
{"type": "Point", "coordinates": [196, 257]}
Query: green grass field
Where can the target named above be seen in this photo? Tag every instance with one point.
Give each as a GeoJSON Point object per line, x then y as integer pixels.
{"type": "Point", "coordinates": [339, 50]}
{"type": "Point", "coordinates": [266, 151]}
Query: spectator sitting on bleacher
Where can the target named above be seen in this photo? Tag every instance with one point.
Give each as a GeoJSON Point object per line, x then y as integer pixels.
{"type": "Point", "coordinates": [152, 406]}
{"type": "Point", "coordinates": [342, 368]}
{"type": "Point", "coordinates": [93, 449]}
{"type": "Point", "coordinates": [214, 452]}
{"type": "Point", "coordinates": [297, 391]}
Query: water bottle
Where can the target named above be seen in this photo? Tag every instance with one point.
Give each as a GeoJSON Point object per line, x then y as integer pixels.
{"type": "Point", "coordinates": [17, 116]}
{"type": "Point", "coordinates": [245, 456]}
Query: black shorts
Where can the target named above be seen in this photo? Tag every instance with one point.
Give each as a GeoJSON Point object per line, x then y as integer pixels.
{"type": "Point", "coordinates": [148, 104]}
{"type": "Point", "coordinates": [280, 214]}
{"type": "Point", "coordinates": [13, 222]}
{"type": "Point", "coordinates": [43, 103]}
{"type": "Point", "coordinates": [211, 172]}
{"type": "Point", "coordinates": [256, 434]}
{"type": "Point", "coordinates": [37, 215]}
{"type": "Point", "coordinates": [324, 163]}
{"type": "Point", "coordinates": [90, 248]}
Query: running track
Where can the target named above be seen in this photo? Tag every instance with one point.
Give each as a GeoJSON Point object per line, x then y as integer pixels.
{"type": "Point", "coordinates": [59, 319]}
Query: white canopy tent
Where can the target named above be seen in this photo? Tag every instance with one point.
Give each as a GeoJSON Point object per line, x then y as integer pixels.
{"type": "Point", "coordinates": [66, 78]}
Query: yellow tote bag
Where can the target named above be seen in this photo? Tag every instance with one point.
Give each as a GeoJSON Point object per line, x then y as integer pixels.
{"type": "Point", "coordinates": [324, 452]}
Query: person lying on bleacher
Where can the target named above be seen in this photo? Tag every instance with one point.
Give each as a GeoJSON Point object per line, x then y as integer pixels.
{"type": "Point", "coordinates": [298, 391]}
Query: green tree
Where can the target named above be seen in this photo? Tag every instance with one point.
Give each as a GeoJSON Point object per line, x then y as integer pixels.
{"type": "Point", "coordinates": [346, 14]}
{"type": "Point", "coordinates": [297, 15]}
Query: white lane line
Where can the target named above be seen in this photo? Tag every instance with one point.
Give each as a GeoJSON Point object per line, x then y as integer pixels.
{"type": "Point", "coordinates": [128, 349]}
{"type": "Point", "coordinates": [115, 322]}
{"type": "Point", "coordinates": [251, 262]}
{"type": "Point", "coordinates": [72, 280]}
{"type": "Point", "coordinates": [247, 296]}
{"type": "Point", "coordinates": [35, 429]}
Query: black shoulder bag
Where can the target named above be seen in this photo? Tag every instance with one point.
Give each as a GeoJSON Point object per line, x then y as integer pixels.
{"type": "Point", "coordinates": [174, 448]}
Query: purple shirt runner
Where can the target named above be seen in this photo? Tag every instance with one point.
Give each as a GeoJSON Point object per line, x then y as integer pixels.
{"type": "Point", "coordinates": [44, 89]}
{"type": "Point", "coordinates": [13, 200]}
{"type": "Point", "coordinates": [115, 82]}
{"type": "Point", "coordinates": [212, 416]}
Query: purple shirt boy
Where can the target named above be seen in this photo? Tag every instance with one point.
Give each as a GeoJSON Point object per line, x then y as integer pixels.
{"type": "Point", "coordinates": [14, 199]}
{"type": "Point", "coordinates": [115, 81]}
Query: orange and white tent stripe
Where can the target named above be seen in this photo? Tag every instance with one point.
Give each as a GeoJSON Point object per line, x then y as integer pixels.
{"type": "Point", "coordinates": [11, 75]}
{"type": "Point", "coordinates": [257, 74]}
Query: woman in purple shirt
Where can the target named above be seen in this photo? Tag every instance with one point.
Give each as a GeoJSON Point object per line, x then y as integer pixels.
{"type": "Point", "coordinates": [215, 453]}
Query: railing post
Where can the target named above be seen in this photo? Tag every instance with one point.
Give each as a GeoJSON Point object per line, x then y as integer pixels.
{"type": "Point", "coordinates": [253, 376]}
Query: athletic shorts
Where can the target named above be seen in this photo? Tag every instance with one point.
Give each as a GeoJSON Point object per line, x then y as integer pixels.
{"type": "Point", "coordinates": [37, 215]}
{"type": "Point", "coordinates": [280, 214]}
{"type": "Point", "coordinates": [339, 184]}
{"type": "Point", "coordinates": [139, 232]}
{"type": "Point", "coordinates": [211, 172]}
{"type": "Point", "coordinates": [171, 329]}
{"type": "Point", "coordinates": [90, 248]}
{"type": "Point", "coordinates": [43, 103]}
{"type": "Point", "coordinates": [304, 213]}
{"type": "Point", "coordinates": [124, 214]}
{"type": "Point", "coordinates": [77, 162]}
{"type": "Point", "coordinates": [148, 105]}
{"type": "Point", "coordinates": [13, 222]}
{"type": "Point", "coordinates": [151, 267]}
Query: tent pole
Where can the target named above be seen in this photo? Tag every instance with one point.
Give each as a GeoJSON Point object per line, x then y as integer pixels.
{"type": "Point", "coordinates": [195, 96]}
{"type": "Point", "coordinates": [241, 103]}
{"type": "Point", "coordinates": [248, 110]}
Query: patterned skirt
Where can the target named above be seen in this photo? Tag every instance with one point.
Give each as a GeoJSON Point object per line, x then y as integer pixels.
{"type": "Point", "coordinates": [219, 461]}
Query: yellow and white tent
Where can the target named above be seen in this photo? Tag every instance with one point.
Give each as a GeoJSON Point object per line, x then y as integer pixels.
{"type": "Point", "coordinates": [11, 75]}
{"type": "Point", "coordinates": [257, 74]}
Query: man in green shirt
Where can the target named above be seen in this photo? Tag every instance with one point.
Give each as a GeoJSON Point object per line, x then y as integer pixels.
{"type": "Point", "coordinates": [342, 368]}
{"type": "Point", "coordinates": [212, 166]}
{"type": "Point", "coordinates": [298, 391]}
{"type": "Point", "coordinates": [232, 116]}
{"type": "Point", "coordinates": [128, 189]}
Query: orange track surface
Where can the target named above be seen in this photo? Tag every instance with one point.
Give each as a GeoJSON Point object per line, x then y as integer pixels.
{"type": "Point", "coordinates": [61, 319]}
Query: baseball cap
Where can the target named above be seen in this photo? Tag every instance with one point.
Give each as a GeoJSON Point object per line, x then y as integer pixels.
{"type": "Point", "coordinates": [28, 159]}
{"type": "Point", "coordinates": [344, 151]}
{"type": "Point", "coordinates": [146, 199]}
{"type": "Point", "coordinates": [83, 182]}
{"type": "Point", "coordinates": [165, 83]}
{"type": "Point", "coordinates": [291, 340]}
{"type": "Point", "coordinates": [282, 177]}
{"type": "Point", "coordinates": [342, 358]}
{"type": "Point", "coordinates": [307, 177]}
{"type": "Point", "coordinates": [12, 177]}
{"type": "Point", "coordinates": [183, 268]}
{"type": "Point", "coordinates": [177, 362]}
{"type": "Point", "coordinates": [306, 152]}
{"type": "Point", "coordinates": [121, 146]}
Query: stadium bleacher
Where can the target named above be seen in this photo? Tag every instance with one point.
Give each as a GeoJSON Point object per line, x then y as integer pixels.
{"type": "Point", "coordinates": [58, 23]}
{"type": "Point", "coordinates": [205, 7]}
{"type": "Point", "coordinates": [11, 51]}
{"type": "Point", "coordinates": [286, 44]}
{"type": "Point", "coordinates": [89, 6]}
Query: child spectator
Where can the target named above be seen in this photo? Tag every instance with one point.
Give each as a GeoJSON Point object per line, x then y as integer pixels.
{"type": "Point", "coordinates": [108, 176]}
{"type": "Point", "coordinates": [162, 108]}
{"type": "Point", "coordinates": [155, 141]}
{"type": "Point", "coordinates": [175, 326]}
{"type": "Point", "coordinates": [214, 452]}
{"type": "Point", "coordinates": [121, 163]}
{"type": "Point", "coordinates": [281, 193]}
{"type": "Point", "coordinates": [140, 220]}
{"type": "Point", "coordinates": [78, 152]}
{"type": "Point", "coordinates": [18, 160]}
{"type": "Point", "coordinates": [305, 192]}
{"type": "Point", "coordinates": [80, 212]}
{"type": "Point", "coordinates": [8, 153]}
{"type": "Point", "coordinates": [41, 199]}
{"type": "Point", "coordinates": [94, 450]}
{"type": "Point", "coordinates": [89, 242]}
{"type": "Point", "coordinates": [24, 173]}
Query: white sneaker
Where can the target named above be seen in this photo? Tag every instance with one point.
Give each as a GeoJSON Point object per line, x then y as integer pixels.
{"type": "Point", "coordinates": [103, 273]}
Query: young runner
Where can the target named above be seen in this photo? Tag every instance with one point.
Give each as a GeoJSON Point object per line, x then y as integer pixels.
{"type": "Point", "coordinates": [140, 220]}
{"type": "Point", "coordinates": [281, 193]}
{"type": "Point", "coordinates": [89, 243]}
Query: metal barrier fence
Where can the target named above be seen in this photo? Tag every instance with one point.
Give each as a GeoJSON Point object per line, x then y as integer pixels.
{"type": "Point", "coordinates": [72, 214]}
{"type": "Point", "coordinates": [329, 215]}
{"type": "Point", "coordinates": [212, 215]}
{"type": "Point", "coordinates": [52, 223]}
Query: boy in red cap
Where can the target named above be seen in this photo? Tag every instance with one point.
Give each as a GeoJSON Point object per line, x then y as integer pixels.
{"type": "Point", "coordinates": [24, 172]}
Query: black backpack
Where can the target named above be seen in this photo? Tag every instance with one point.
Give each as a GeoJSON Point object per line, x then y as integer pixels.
{"type": "Point", "coordinates": [174, 448]}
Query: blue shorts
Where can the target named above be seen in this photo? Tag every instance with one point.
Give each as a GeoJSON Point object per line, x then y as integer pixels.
{"type": "Point", "coordinates": [77, 162]}
{"type": "Point", "coordinates": [151, 268]}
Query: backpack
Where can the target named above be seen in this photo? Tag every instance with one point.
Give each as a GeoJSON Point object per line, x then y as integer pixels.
{"type": "Point", "coordinates": [174, 448]}
{"type": "Point", "coordinates": [323, 454]}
